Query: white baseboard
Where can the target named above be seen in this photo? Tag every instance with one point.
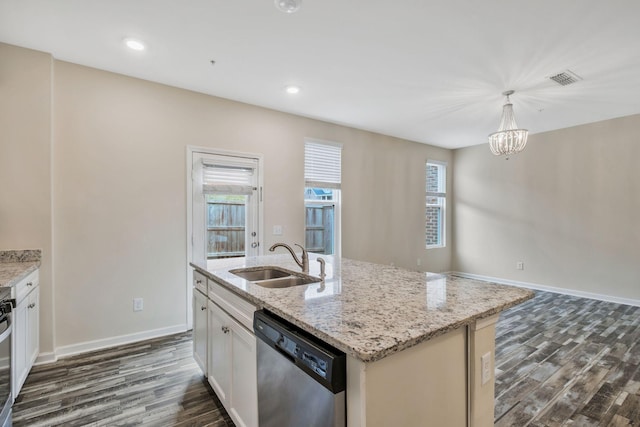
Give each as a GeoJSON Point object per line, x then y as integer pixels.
{"type": "Point", "coordinates": [44, 358]}
{"type": "Point", "coordinates": [70, 350]}
{"type": "Point", "coordinates": [565, 291]}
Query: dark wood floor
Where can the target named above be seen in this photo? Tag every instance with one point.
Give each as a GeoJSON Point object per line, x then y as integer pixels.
{"type": "Point", "coordinates": [560, 361]}
{"type": "Point", "coordinates": [568, 361]}
{"type": "Point", "coordinates": [152, 383]}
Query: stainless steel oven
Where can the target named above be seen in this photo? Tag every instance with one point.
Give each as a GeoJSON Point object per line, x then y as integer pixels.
{"type": "Point", "coordinates": [6, 400]}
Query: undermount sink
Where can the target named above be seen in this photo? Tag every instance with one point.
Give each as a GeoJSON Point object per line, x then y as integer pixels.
{"type": "Point", "coordinates": [254, 275]}
{"type": "Point", "coordinates": [286, 282]}
{"type": "Point", "coordinates": [273, 277]}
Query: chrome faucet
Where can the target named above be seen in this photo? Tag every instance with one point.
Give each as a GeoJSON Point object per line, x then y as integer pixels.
{"type": "Point", "coordinates": [303, 262]}
{"type": "Point", "coordinates": [322, 264]}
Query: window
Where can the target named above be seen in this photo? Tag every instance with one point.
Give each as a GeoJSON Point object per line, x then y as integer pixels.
{"type": "Point", "coordinates": [322, 174]}
{"type": "Point", "coordinates": [436, 199]}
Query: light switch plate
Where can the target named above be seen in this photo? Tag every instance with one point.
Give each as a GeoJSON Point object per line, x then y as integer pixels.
{"type": "Point", "coordinates": [138, 304]}
{"type": "Point", "coordinates": [277, 230]}
{"type": "Point", "coordinates": [485, 361]}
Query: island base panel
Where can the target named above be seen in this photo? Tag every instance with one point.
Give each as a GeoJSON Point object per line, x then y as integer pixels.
{"type": "Point", "coordinates": [427, 382]}
{"type": "Point", "coordinates": [482, 336]}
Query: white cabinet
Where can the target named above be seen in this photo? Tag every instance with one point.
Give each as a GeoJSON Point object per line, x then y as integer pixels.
{"type": "Point", "coordinates": [244, 386]}
{"type": "Point", "coordinates": [219, 353]}
{"type": "Point", "coordinates": [232, 366]}
{"type": "Point", "coordinates": [26, 330]}
{"type": "Point", "coordinates": [225, 347]}
{"type": "Point", "coordinates": [200, 329]}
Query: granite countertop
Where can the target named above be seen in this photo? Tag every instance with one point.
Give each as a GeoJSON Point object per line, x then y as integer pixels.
{"type": "Point", "coordinates": [16, 265]}
{"type": "Point", "coordinates": [367, 310]}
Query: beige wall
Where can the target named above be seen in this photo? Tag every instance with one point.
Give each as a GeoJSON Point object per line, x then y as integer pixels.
{"type": "Point", "coordinates": [568, 207]}
{"type": "Point", "coordinates": [120, 194]}
{"type": "Point", "coordinates": [25, 165]}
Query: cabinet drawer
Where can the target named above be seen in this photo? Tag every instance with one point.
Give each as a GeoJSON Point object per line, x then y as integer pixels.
{"type": "Point", "coordinates": [26, 285]}
{"type": "Point", "coordinates": [239, 308]}
{"type": "Point", "coordinates": [200, 282]}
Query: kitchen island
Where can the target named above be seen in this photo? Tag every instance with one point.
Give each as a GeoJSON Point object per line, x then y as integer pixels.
{"type": "Point", "coordinates": [415, 342]}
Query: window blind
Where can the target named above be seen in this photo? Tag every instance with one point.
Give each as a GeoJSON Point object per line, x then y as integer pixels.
{"type": "Point", "coordinates": [322, 164]}
{"type": "Point", "coordinates": [228, 179]}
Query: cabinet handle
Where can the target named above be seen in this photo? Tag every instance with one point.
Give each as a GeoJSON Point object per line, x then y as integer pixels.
{"type": "Point", "coordinates": [198, 281]}
{"type": "Point", "coordinates": [225, 329]}
{"type": "Point", "coordinates": [30, 284]}
{"type": "Point", "coordinates": [31, 305]}
{"type": "Point", "coordinates": [203, 308]}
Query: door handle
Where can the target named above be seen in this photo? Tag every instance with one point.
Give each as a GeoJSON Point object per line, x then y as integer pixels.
{"type": "Point", "coordinates": [203, 308]}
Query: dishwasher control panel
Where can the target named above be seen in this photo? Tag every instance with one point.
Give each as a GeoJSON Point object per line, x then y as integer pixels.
{"type": "Point", "coordinates": [318, 359]}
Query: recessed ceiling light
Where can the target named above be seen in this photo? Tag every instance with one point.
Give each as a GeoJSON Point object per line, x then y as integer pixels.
{"type": "Point", "coordinates": [288, 6]}
{"type": "Point", "coordinates": [134, 44]}
{"type": "Point", "coordinates": [292, 89]}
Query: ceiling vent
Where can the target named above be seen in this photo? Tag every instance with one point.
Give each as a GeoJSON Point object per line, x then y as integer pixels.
{"type": "Point", "coordinates": [566, 78]}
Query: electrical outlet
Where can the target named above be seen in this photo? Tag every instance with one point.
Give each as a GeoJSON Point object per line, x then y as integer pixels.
{"type": "Point", "coordinates": [419, 261]}
{"type": "Point", "coordinates": [138, 304]}
{"type": "Point", "coordinates": [277, 230]}
{"type": "Point", "coordinates": [520, 265]}
{"type": "Point", "coordinates": [485, 361]}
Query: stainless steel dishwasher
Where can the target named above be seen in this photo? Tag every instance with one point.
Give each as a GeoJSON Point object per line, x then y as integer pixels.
{"type": "Point", "coordinates": [301, 380]}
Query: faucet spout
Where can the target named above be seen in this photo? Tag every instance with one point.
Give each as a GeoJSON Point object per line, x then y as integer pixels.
{"type": "Point", "coordinates": [303, 261]}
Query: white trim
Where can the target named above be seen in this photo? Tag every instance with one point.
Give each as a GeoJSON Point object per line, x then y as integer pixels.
{"type": "Point", "coordinates": [323, 141]}
{"type": "Point", "coordinates": [70, 350]}
{"type": "Point", "coordinates": [44, 358]}
{"type": "Point", "coordinates": [189, 291]}
{"type": "Point", "coordinates": [485, 322]}
{"type": "Point", "coordinates": [564, 291]}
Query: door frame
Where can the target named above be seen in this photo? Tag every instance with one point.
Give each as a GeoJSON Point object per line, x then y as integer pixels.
{"type": "Point", "coordinates": [190, 150]}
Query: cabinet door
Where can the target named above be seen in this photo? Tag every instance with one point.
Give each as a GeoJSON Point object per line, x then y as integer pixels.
{"type": "Point", "coordinates": [33, 329]}
{"type": "Point", "coordinates": [20, 337]}
{"type": "Point", "coordinates": [200, 329]}
{"type": "Point", "coordinates": [244, 388]}
{"type": "Point", "coordinates": [219, 353]}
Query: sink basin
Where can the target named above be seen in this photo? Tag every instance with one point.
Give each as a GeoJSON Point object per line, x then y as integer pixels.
{"type": "Point", "coordinates": [254, 274]}
{"type": "Point", "coordinates": [273, 277]}
{"type": "Point", "coordinates": [286, 282]}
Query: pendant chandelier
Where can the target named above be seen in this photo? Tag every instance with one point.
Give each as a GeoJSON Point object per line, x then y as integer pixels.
{"type": "Point", "coordinates": [508, 139]}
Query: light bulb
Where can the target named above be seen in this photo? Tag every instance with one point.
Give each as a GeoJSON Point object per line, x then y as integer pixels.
{"type": "Point", "coordinates": [292, 89]}
{"type": "Point", "coordinates": [134, 44]}
{"type": "Point", "coordinates": [288, 6]}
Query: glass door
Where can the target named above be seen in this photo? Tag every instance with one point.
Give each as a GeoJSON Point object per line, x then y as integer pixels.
{"type": "Point", "coordinates": [225, 206]}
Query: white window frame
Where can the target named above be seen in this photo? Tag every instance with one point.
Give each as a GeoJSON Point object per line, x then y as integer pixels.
{"type": "Point", "coordinates": [337, 201]}
{"type": "Point", "coordinates": [442, 185]}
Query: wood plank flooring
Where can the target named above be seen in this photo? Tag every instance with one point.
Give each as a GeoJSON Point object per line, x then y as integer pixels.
{"type": "Point", "coordinates": [560, 361]}
{"type": "Point", "coordinates": [151, 383]}
{"type": "Point", "coordinates": [568, 361]}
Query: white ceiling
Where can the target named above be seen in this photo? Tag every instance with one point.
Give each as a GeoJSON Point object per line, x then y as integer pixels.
{"type": "Point", "coordinates": [428, 71]}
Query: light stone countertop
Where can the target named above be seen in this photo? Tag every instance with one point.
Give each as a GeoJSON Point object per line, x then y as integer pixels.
{"type": "Point", "coordinates": [367, 310]}
{"type": "Point", "coordinates": [16, 265]}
